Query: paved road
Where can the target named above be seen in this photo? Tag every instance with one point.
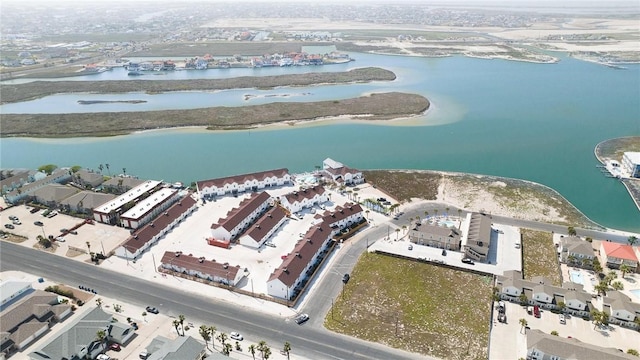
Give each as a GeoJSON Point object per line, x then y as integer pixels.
{"type": "Point", "coordinates": [306, 340]}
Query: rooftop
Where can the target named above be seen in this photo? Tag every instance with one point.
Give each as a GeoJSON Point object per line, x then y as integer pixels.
{"type": "Point", "coordinates": [130, 195]}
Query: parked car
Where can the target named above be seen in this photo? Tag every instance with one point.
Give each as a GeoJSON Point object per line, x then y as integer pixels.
{"type": "Point", "coordinates": [236, 336]}
{"type": "Point", "coordinates": [301, 319]}
{"type": "Point", "coordinates": [38, 223]}
{"type": "Point", "coordinates": [152, 310]}
{"type": "Point", "coordinates": [9, 226]}
{"type": "Point", "coordinates": [103, 357]}
{"type": "Point", "coordinates": [134, 325]}
{"type": "Point", "coordinates": [468, 261]}
{"type": "Point", "coordinates": [115, 347]}
{"type": "Point", "coordinates": [536, 311]}
{"type": "Point", "coordinates": [144, 355]}
{"type": "Point", "coordinates": [502, 318]}
{"type": "Point", "coordinates": [60, 239]}
{"type": "Point", "coordinates": [563, 319]}
{"type": "Point", "coordinates": [34, 210]}
{"type": "Point", "coordinates": [410, 247]}
{"type": "Point", "coordinates": [17, 222]}
{"type": "Point", "coordinates": [13, 217]}
{"type": "Point", "coordinates": [345, 278]}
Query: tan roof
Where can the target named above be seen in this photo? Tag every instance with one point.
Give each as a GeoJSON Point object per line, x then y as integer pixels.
{"type": "Point", "coordinates": [565, 348]}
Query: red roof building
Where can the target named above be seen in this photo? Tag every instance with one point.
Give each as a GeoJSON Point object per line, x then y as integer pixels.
{"type": "Point", "coordinates": [202, 268]}
{"type": "Point", "coordinates": [241, 183]}
{"type": "Point", "coordinates": [616, 254]}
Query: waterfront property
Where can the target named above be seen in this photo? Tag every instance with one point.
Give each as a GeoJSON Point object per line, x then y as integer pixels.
{"type": "Point", "coordinates": [145, 237]}
{"type": "Point", "coordinates": [615, 254]}
{"type": "Point", "coordinates": [241, 183]}
{"type": "Point", "coordinates": [87, 179]}
{"type": "Point", "coordinates": [109, 213]}
{"type": "Point", "coordinates": [342, 174]}
{"type": "Point", "coordinates": [147, 209]}
{"type": "Point", "coordinates": [85, 201]}
{"type": "Point", "coordinates": [202, 268]}
{"type": "Point", "coordinates": [541, 346]}
{"type": "Point", "coordinates": [58, 176]}
{"type": "Point", "coordinates": [631, 164]}
{"type": "Point", "coordinates": [13, 179]}
{"type": "Point", "coordinates": [240, 218]}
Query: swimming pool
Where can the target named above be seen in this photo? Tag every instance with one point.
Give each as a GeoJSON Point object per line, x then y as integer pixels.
{"type": "Point", "coordinates": [576, 277]}
{"type": "Point", "coordinates": [635, 293]}
{"type": "Point", "coordinates": [447, 223]}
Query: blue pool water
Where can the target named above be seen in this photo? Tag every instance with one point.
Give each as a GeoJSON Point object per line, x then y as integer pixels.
{"type": "Point", "coordinates": [635, 293]}
{"type": "Point", "coordinates": [576, 277]}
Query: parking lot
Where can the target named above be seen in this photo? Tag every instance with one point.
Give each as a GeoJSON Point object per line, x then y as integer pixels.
{"type": "Point", "coordinates": [101, 237]}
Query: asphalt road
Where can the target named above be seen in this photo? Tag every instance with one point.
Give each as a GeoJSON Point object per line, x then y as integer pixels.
{"type": "Point", "coordinates": [306, 340]}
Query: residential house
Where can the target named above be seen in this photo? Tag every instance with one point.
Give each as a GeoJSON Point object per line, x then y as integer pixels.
{"type": "Point", "coordinates": [79, 341]}
{"type": "Point", "coordinates": [241, 183]}
{"type": "Point", "coordinates": [616, 254]}
{"type": "Point", "coordinates": [180, 348]}
{"type": "Point", "coordinates": [202, 268]}
{"type": "Point", "coordinates": [13, 179]}
{"type": "Point", "coordinates": [87, 178]}
{"type": "Point", "coordinates": [144, 237]}
{"type": "Point", "coordinates": [53, 194]}
{"type": "Point", "coordinates": [148, 208]}
{"type": "Point", "coordinates": [576, 252]}
{"type": "Point", "coordinates": [121, 184]}
{"type": "Point", "coordinates": [290, 277]}
{"type": "Point", "coordinates": [342, 174]}
{"type": "Point", "coordinates": [85, 201]}
{"type": "Point", "coordinates": [341, 217]}
{"type": "Point", "coordinates": [267, 225]}
{"type": "Point", "coordinates": [58, 176]}
{"type": "Point", "coordinates": [25, 321]}
{"type": "Point", "coordinates": [621, 310]}
{"type": "Point", "coordinates": [240, 218]}
{"type": "Point", "coordinates": [478, 237]}
{"type": "Point", "coordinates": [12, 290]}
{"type": "Point", "coordinates": [304, 198]}
{"type": "Point", "coordinates": [109, 213]}
{"type": "Point", "coordinates": [540, 291]}
{"type": "Point", "coordinates": [435, 236]}
{"type": "Point", "coordinates": [542, 346]}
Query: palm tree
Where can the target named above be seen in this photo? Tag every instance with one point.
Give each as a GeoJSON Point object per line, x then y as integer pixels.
{"type": "Point", "coordinates": [612, 275]}
{"type": "Point", "coordinates": [222, 337]}
{"type": "Point", "coordinates": [124, 171]}
{"type": "Point", "coordinates": [596, 265]}
{"type": "Point", "coordinates": [586, 262]}
{"type": "Point", "coordinates": [176, 324]}
{"type": "Point", "coordinates": [571, 231]}
{"type": "Point", "coordinates": [601, 288]}
{"type": "Point", "coordinates": [632, 240]}
{"type": "Point", "coordinates": [404, 228]}
{"type": "Point", "coordinates": [144, 316]}
{"type": "Point", "coordinates": [624, 269]}
{"type": "Point", "coordinates": [367, 212]}
{"type": "Point", "coordinates": [562, 306]}
{"type": "Point", "coordinates": [262, 345]}
{"type": "Point", "coordinates": [523, 322]}
{"type": "Point", "coordinates": [554, 333]}
{"type": "Point", "coordinates": [617, 285]}
{"type": "Point", "coordinates": [99, 302]}
{"type": "Point", "coordinates": [107, 166]}
{"type": "Point", "coordinates": [226, 349]}
{"type": "Point", "coordinates": [571, 259]}
{"type": "Point", "coordinates": [100, 167]}
{"type": "Point", "coordinates": [181, 319]}
{"type": "Point", "coordinates": [252, 351]}
{"type": "Point", "coordinates": [523, 298]}
{"type": "Point", "coordinates": [266, 353]}
{"type": "Point", "coordinates": [633, 352]}
{"type": "Point", "coordinates": [287, 348]}
{"type": "Point", "coordinates": [212, 335]}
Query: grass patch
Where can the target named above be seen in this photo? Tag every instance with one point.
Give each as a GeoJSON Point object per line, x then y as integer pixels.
{"type": "Point", "coordinates": [614, 148]}
{"type": "Point", "coordinates": [539, 256]}
{"type": "Point", "coordinates": [436, 311]}
{"type": "Point", "coordinates": [405, 185]}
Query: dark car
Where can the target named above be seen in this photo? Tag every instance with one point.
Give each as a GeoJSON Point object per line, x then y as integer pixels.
{"type": "Point", "coordinates": [467, 261]}
{"type": "Point", "coordinates": [115, 347]}
{"type": "Point", "coordinates": [152, 310]}
{"type": "Point", "coordinates": [34, 210]}
{"type": "Point", "coordinates": [345, 278]}
{"type": "Point", "coordinates": [9, 226]}
{"type": "Point", "coordinates": [301, 319]}
{"type": "Point", "coordinates": [38, 223]}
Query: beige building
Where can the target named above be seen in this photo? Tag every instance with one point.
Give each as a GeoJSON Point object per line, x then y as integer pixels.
{"type": "Point", "coordinates": [436, 236]}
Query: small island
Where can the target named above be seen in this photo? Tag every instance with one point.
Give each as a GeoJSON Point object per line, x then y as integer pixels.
{"type": "Point", "coordinates": [92, 102]}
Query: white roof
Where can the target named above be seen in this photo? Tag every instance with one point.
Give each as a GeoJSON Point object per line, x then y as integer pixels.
{"type": "Point", "coordinates": [149, 203]}
{"type": "Point", "coordinates": [130, 195]}
{"type": "Point", "coordinates": [633, 156]}
{"type": "Point", "coordinates": [11, 287]}
{"type": "Point", "coordinates": [332, 163]}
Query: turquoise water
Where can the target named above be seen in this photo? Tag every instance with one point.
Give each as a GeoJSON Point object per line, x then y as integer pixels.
{"type": "Point", "coordinates": [538, 122]}
{"type": "Point", "coordinates": [576, 277]}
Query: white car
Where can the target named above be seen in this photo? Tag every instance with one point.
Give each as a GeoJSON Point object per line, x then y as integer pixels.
{"type": "Point", "coordinates": [103, 357]}
{"type": "Point", "coordinates": [60, 239]}
{"type": "Point", "coordinates": [236, 336]}
{"type": "Point", "coordinates": [563, 319]}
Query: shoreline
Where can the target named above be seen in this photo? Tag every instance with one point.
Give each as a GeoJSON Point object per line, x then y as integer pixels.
{"type": "Point", "coordinates": [625, 182]}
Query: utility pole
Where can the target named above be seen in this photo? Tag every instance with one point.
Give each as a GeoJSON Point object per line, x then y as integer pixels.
{"type": "Point", "coordinates": [154, 262]}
